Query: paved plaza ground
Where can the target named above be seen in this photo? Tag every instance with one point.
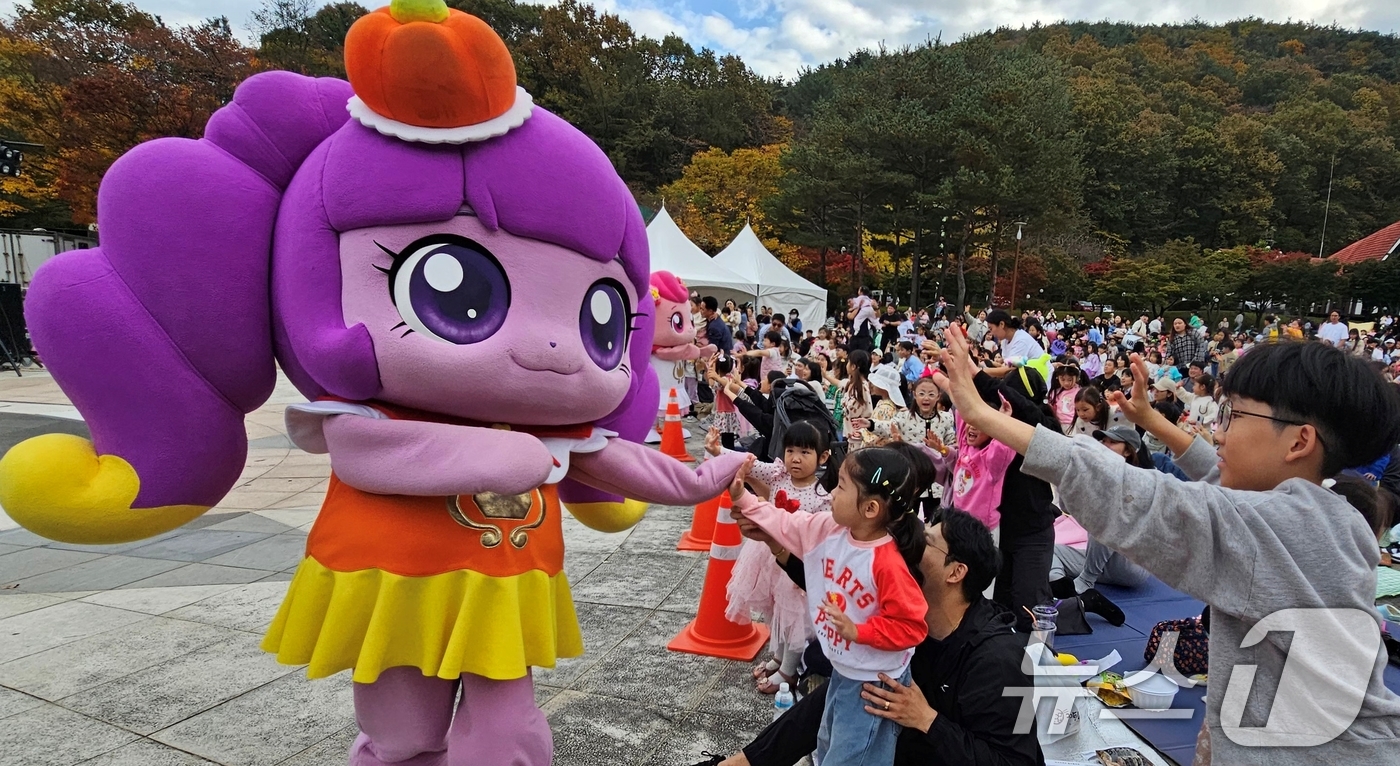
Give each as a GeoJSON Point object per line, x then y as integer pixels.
{"type": "Point", "coordinates": [146, 654]}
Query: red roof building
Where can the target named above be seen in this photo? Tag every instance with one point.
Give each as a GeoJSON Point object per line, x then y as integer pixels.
{"type": "Point", "coordinates": [1376, 247]}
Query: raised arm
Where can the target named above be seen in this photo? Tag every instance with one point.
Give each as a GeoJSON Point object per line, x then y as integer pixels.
{"type": "Point", "coordinates": [1139, 411]}
{"type": "Point", "coordinates": [798, 532]}
{"type": "Point", "coordinates": [634, 471]}
{"type": "Point", "coordinates": [1192, 535]}
{"type": "Point", "coordinates": [409, 457]}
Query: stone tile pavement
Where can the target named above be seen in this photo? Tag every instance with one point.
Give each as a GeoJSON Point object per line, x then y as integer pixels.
{"type": "Point", "coordinates": [146, 654]}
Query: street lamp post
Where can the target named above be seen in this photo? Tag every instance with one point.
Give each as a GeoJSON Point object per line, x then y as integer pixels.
{"type": "Point", "coordinates": [1016, 266]}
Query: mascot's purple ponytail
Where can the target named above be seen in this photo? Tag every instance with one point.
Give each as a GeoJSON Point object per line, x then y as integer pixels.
{"type": "Point", "coordinates": [164, 337]}
{"type": "Point", "coordinates": [457, 282]}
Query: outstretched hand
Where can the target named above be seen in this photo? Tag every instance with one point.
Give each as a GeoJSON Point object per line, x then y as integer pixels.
{"type": "Point", "coordinates": [960, 371]}
{"type": "Point", "coordinates": [712, 443]}
{"type": "Point", "coordinates": [934, 443]}
{"type": "Point", "coordinates": [736, 487]}
{"type": "Point", "coordinates": [1138, 408]}
{"type": "Point", "coordinates": [962, 389]}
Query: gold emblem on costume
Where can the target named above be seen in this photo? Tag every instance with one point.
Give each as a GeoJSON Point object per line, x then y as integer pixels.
{"type": "Point", "coordinates": [491, 506]}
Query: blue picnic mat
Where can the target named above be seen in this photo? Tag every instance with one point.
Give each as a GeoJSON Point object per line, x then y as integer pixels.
{"type": "Point", "coordinates": [1144, 607]}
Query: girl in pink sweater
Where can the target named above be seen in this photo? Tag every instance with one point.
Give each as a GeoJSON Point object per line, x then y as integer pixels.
{"type": "Point", "coordinates": [972, 473]}
{"type": "Point", "coordinates": [863, 591]}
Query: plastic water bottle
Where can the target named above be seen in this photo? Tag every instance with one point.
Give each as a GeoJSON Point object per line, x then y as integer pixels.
{"type": "Point", "coordinates": [782, 701]}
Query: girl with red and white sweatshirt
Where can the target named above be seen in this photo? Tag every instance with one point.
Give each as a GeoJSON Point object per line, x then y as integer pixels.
{"type": "Point", "coordinates": [863, 591]}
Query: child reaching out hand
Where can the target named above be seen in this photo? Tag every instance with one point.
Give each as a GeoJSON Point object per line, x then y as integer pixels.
{"type": "Point", "coordinates": [758, 583]}
{"type": "Point", "coordinates": [863, 591]}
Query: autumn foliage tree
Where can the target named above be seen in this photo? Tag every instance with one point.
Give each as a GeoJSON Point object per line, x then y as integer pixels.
{"type": "Point", "coordinates": [89, 79]}
{"type": "Point", "coordinates": [718, 192]}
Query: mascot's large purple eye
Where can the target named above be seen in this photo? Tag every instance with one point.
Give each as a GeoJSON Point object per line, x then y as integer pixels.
{"type": "Point", "coordinates": [451, 289]}
{"type": "Point", "coordinates": [677, 323]}
{"type": "Point", "coordinates": [603, 321]}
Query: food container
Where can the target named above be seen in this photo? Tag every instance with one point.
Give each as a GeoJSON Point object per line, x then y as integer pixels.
{"type": "Point", "coordinates": [1155, 692]}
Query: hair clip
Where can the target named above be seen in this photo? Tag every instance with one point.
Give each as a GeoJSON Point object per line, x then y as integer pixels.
{"type": "Point", "coordinates": [876, 476]}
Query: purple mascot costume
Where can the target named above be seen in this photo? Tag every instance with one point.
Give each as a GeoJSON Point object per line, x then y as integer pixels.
{"type": "Point", "coordinates": [457, 281]}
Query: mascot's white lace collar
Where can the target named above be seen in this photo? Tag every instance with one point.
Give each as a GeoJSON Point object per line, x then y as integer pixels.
{"type": "Point", "coordinates": [513, 118]}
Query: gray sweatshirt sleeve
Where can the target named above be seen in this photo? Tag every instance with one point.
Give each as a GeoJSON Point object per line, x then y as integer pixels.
{"type": "Point", "coordinates": [1198, 462]}
{"type": "Point", "coordinates": [1191, 535]}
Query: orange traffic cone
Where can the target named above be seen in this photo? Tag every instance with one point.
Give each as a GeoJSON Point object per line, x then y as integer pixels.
{"type": "Point", "coordinates": [672, 440]}
{"type": "Point", "coordinates": [711, 633]}
{"type": "Point", "coordinates": [702, 527]}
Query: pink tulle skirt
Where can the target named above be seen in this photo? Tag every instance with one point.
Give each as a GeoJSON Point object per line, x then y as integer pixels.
{"type": "Point", "coordinates": [760, 587]}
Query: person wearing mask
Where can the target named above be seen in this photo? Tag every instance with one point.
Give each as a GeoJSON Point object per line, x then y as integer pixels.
{"type": "Point", "coordinates": [952, 712]}
{"type": "Point", "coordinates": [795, 323]}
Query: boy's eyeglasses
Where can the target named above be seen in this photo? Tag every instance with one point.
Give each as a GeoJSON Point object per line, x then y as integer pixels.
{"type": "Point", "coordinates": [1228, 414]}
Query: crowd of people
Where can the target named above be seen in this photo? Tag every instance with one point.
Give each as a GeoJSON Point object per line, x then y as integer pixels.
{"type": "Point", "coordinates": [1041, 456]}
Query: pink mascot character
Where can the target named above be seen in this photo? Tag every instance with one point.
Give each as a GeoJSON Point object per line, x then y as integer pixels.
{"type": "Point", "coordinates": [455, 279]}
{"type": "Point", "coordinates": [673, 341]}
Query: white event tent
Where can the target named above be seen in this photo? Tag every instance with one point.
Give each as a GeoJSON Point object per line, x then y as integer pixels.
{"type": "Point", "coordinates": [778, 287]}
{"type": "Point", "coordinates": [672, 251]}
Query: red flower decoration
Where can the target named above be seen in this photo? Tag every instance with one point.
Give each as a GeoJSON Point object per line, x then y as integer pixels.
{"type": "Point", "coordinates": [788, 504]}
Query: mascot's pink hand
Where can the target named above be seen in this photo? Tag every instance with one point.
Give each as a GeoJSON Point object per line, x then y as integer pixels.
{"type": "Point", "coordinates": [634, 471]}
{"type": "Point", "coordinates": [685, 352]}
{"type": "Point", "coordinates": [407, 457]}
{"type": "Point", "coordinates": [675, 353]}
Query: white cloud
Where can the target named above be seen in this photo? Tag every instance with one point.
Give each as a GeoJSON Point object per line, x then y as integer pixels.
{"type": "Point", "coordinates": [779, 37]}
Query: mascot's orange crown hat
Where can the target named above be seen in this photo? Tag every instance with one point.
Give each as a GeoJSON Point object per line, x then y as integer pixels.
{"type": "Point", "coordinates": [427, 73]}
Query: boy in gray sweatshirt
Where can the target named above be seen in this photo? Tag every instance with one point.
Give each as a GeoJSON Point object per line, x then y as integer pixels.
{"type": "Point", "coordinates": [1287, 566]}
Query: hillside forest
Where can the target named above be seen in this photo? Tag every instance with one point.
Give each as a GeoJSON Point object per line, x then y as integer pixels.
{"type": "Point", "coordinates": [1144, 166]}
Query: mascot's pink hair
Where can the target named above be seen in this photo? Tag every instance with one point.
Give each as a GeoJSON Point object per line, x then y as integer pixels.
{"type": "Point", "coordinates": [669, 286]}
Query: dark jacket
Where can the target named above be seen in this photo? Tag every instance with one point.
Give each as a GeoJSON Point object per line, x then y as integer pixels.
{"type": "Point", "coordinates": [1026, 502]}
{"type": "Point", "coordinates": [962, 677]}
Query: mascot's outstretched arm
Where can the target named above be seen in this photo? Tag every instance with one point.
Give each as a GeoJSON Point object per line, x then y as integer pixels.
{"type": "Point", "coordinates": [160, 337]}
{"type": "Point", "coordinates": [612, 511]}
{"type": "Point", "coordinates": [636, 471]}
{"type": "Point", "coordinates": [685, 353]}
{"type": "Point", "coordinates": [407, 457]}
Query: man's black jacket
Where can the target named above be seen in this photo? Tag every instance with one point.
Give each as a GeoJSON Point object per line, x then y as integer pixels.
{"type": "Point", "coordinates": [963, 677]}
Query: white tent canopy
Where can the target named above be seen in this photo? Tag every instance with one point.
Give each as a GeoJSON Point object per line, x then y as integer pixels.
{"type": "Point", "coordinates": [672, 251]}
{"type": "Point", "coordinates": [778, 286]}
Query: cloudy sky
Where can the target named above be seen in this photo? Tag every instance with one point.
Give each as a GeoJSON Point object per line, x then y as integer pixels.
{"type": "Point", "coordinates": [778, 37]}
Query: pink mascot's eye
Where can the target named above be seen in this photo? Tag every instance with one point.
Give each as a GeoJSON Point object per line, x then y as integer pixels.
{"type": "Point", "coordinates": [677, 322]}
